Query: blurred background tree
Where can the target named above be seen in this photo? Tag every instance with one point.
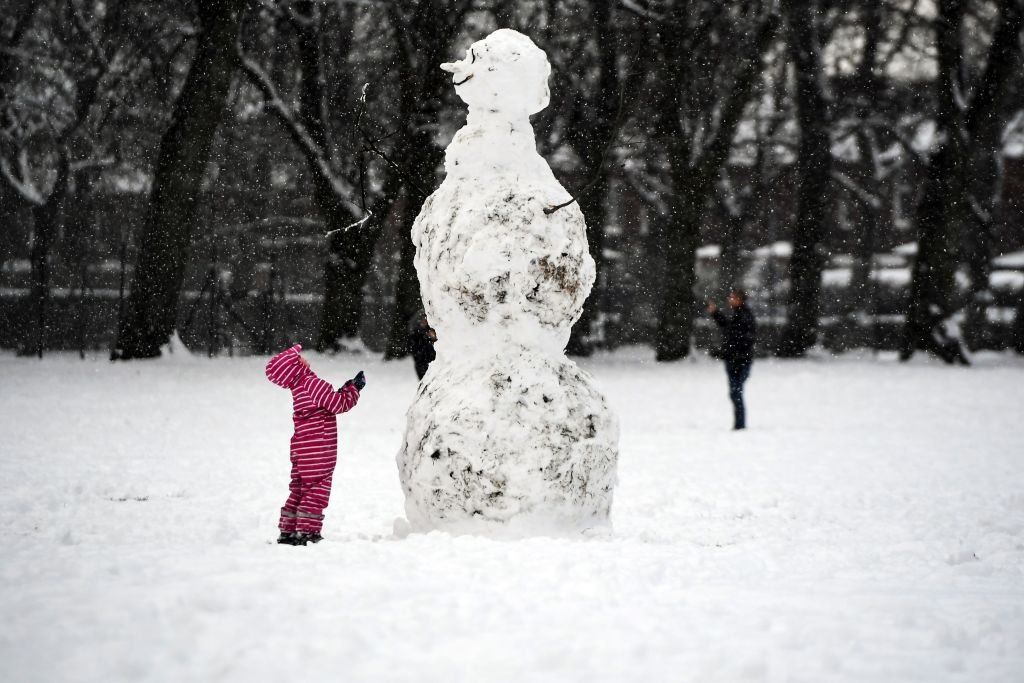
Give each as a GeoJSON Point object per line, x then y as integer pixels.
{"type": "Point", "coordinates": [245, 173]}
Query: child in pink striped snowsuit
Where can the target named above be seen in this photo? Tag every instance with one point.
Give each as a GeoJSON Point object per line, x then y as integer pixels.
{"type": "Point", "coordinates": [314, 445]}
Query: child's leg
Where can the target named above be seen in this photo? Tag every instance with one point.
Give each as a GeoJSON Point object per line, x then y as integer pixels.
{"type": "Point", "coordinates": [291, 506]}
{"type": "Point", "coordinates": [315, 495]}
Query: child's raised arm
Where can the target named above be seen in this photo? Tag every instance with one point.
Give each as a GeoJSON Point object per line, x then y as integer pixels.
{"type": "Point", "coordinates": [324, 396]}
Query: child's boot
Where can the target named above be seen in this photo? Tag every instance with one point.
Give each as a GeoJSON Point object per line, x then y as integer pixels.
{"type": "Point", "coordinates": [309, 537]}
{"type": "Point", "coordinates": [289, 538]}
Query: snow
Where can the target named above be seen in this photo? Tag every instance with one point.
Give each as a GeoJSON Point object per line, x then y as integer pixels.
{"type": "Point", "coordinates": [505, 434]}
{"type": "Point", "coordinates": [709, 251]}
{"type": "Point", "coordinates": [869, 527]}
{"type": "Point", "coordinates": [845, 147]}
{"type": "Point", "coordinates": [1014, 259]}
{"type": "Point", "coordinates": [925, 136]}
{"type": "Point", "coordinates": [776, 249]}
{"type": "Point", "coordinates": [893, 277]}
{"type": "Point", "coordinates": [19, 265]}
{"type": "Point", "coordinates": [840, 278]}
{"type": "Point", "coordinates": [891, 260]}
{"type": "Point", "coordinates": [1012, 280]}
{"type": "Point", "coordinates": [1000, 315]}
{"type": "Point", "coordinates": [836, 277]}
{"type": "Point", "coordinates": [1013, 137]}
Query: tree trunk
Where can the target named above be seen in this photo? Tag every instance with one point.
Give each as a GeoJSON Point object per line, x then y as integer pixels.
{"type": "Point", "coordinates": [862, 286]}
{"type": "Point", "coordinates": [729, 258]}
{"type": "Point", "coordinates": [594, 139]}
{"type": "Point", "coordinates": [984, 195]}
{"type": "Point", "coordinates": [945, 207]}
{"type": "Point", "coordinates": [867, 95]}
{"type": "Point", "coordinates": [1018, 325]}
{"type": "Point", "coordinates": [423, 164]}
{"type": "Point", "coordinates": [985, 124]}
{"type": "Point", "coordinates": [813, 164]}
{"type": "Point", "coordinates": [46, 220]}
{"type": "Point", "coordinates": [595, 212]}
{"type": "Point", "coordinates": [407, 287]}
{"type": "Point", "coordinates": [931, 289]}
{"type": "Point", "coordinates": [181, 165]}
{"type": "Point", "coordinates": [691, 185]}
{"type": "Point", "coordinates": [349, 254]}
{"type": "Point", "coordinates": [682, 231]}
{"type": "Point", "coordinates": [943, 200]}
{"type": "Point", "coordinates": [423, 84]}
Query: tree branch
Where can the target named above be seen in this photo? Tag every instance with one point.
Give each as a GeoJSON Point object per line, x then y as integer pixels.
{"type": "Point", "coordinates": [24, 186]}
{"type": "Point", "coordinates": [298, 132]}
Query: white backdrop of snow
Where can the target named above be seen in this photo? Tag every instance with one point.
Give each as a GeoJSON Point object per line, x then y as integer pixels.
{"type": "Point", "coordinates": [869, 528]}
{"type": "Point", "coordinates": [506, 435]}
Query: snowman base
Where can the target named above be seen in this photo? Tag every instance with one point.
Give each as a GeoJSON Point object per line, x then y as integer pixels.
{"type": "Point", "coordinates": [514, 444]}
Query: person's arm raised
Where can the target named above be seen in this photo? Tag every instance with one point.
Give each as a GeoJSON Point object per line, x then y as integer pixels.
{"type": "Point", "coordinates": [324, 396]}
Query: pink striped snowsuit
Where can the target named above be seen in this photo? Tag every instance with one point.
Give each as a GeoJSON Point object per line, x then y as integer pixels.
{"type": "Point", "coordinates": [314, 445]}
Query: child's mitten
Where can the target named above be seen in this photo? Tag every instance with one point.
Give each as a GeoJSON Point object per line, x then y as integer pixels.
{"type": "Point", "coordinates": [359, 381]}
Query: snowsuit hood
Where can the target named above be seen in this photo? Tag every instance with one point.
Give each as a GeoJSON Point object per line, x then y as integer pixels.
{"type": "Point", "coordinates": [285, 370]}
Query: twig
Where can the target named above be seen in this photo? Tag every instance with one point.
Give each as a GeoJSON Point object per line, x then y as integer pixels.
{"type": "Point", "coordinates": [358, 223]}
{"type": "Point", "coordinates": [370, 145]}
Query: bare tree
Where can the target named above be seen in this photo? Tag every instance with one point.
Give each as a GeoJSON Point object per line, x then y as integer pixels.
{"type": "Point", "coordinates": [711, 58]}
{"type": "Point", "coordinates": [968, 120]}
{"type": "Point", "coordinates": [330, 126]}
{"type": "Point", "coordinates": [813, 165]}
{"type": "Point", "coordinates": [57, 133]}
{"type": "Point", "coordinates": [424, 31]}
{"type": "Point", "coordinates": [184, 151]}
{"type": "Point", "coordinates": [591, 127]}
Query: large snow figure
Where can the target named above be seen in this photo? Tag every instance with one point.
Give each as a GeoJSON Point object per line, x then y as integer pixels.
{"type": "Point", "coordinates": [506, 435]}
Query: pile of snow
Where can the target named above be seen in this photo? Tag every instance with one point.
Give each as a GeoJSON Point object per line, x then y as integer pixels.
{"type": "Point", "coordinates": [506, 435]}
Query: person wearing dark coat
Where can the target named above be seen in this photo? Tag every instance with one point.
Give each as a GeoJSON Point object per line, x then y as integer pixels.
{"type": "Point", "coordinates": [421, 345]}
{"type": "Point", "coordinates": [739, 331]}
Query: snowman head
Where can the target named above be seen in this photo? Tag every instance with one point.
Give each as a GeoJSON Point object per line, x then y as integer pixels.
{"type": "Point", "coordinates": [505, 73]}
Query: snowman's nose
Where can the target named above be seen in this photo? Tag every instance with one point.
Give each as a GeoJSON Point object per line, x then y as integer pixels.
{"type": "Point", "coordinates": [458, 71]}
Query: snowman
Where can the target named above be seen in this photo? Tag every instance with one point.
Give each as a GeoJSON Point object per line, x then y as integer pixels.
{"type": "Point", "coordinates": [506, 436]}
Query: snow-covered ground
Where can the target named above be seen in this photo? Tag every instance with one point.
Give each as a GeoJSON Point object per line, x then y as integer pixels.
{"type": "Point", "coordinates": [869, 527]}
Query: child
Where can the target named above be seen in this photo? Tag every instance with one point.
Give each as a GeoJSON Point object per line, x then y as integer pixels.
{"type": "Point", "coordinates": [314, 445]}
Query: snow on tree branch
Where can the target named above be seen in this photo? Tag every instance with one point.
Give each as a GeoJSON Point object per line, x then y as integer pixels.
{"type": "Point", "coordinates": [22, 181]}
{"type": "Point", "coordinates": [298, 132]}
{"type": "Point", "coordinates": [861, 193]}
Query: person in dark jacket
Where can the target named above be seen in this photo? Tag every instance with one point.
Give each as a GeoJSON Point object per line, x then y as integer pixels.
{"type": "Point", "coordinates": [421, 345]}
{"type": "Point", "coordinates": [739, 332]}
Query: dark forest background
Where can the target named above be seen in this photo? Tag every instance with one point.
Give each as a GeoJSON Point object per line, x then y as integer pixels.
{"type": "Point", "coordinates": [244, 173]}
